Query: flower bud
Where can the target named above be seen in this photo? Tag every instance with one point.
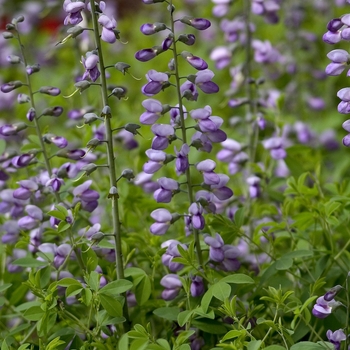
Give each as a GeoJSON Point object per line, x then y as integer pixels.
{"type": "Point", "coordinates": [33, 69]}
{"type": "Point", "coordinates": [18, 19]}
{"type": "Point", "coordinates": [128, 174]}
{"type": "Point", "coordinates": [12, 85]}
{"type": "Point", "coordinates": [198, 23]}
{"type": "Point", "coordinates": [75, 31]}
{"type": "Point", "coordinates": [82, 85]}
{"type": "Point", "coordinates": [13, 59]}
{"type": "Point", "coordinates": [106, 112]}
{"type": "Point", "coordinates": [132, 128]}
{"type": "Point", "coordinates": [118, 92]}
{"type": "Point", "coordinates": [9, 26]}
{"type": "Point", "coordinates": [152, 28]}
{"type": "Point", "coordinates": [12, 129]}
{"type": "Point", "coordinates": [89, 168]}
{"type": "Point", "coordinates": [31, 114]}
{"type": "Point", "coordinates": [23, 98]}
{"type": "Point", "coordinates": [90, 118]}
{"type": "Point", "coordinates": [7, 35]}
{"type": "Point", "coordinates": [50, 90]}
{"type": "Point", "coordinates": [332, 293]}
{"type": "Point", "coordinates": [122, 67]}
{"type": "Point", "coordinates": [188, 39]}
{"type": "Point", "coordinates": [113, 192]}
{"type": "Point", "coordinates": [97, 237]}
{"type": "Point", "coordinates": [53, 111]}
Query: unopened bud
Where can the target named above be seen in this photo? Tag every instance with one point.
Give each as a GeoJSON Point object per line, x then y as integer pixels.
{"type": "Point", "coordinates": [11, 85]}
{"type": "Point", "coordinates": [7, 35]}
{"type": "Point", "coordinates": [9, 26]}
{"type": "Point", "coordinates": [166, 108]}
{"type": "Point", "coordinates": [90, 118]}
{"type": "Point", "coordinates": [122, 67]}
{"type": "Point", "coordinates": [169, 158]}
{"type": "Point", "coordinates": [33, 69]}
{"type": "Point", "coordinates": [175, 217]}
{"type": "Point", "coordinates": [132, 128]}
{"type": "Point", "coordinates": [89, 168]}
{"type": "Point", "coordinates": [50, 90]}
{"type": "Point", "coordinates": [118, 92]}
{"type": "Point", "coordinates": [128, 174]}
{"type": "Point", "coordinates": [53, 111]}
{"type": "Point", "coordinates": [82, 85]}
{"type": "Point", "coordinates": [113, 192]}
{"type": "Point", "coordinates": [31, 114]}
{"type": "Point", "coordinates": [23, 98]}
{"type": "Point", "coordinates": [18, 19]}
{"type": "Point", "coordinates": [97, 237]}
{"type": "Point", "coordinates": [332, 293]}
{"type": "Point", "coordinates": [13, 59]}
{"type": "Point", "coordinates": [75, 31]}
{"type": "Point", "coordinates": [106, 112]}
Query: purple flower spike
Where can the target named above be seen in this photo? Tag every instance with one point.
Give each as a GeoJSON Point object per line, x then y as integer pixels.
{"type": "Point", "coordinates": [157, 81]}
{"type": "Point", "coordinates": [163, 220]}
{"type": "Point", "coordinates": [163, 133]}
{"type": "Point", "coordinates": [167, 188]}
{"type": "Point", "coordinates": [336, 338]}
{"type": "Point", "coordinates": [340, 58]}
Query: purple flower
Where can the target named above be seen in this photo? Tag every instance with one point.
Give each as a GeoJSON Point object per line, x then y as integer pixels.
{"type": "Point", "coordinates": [336, 337]}
{"type": "Point", "coordinates": [73, 8]}
{"type": "Point", "coordinates": [206, 167]}
{"type": "Point", "coordinates": [197, 219]}
{"type": "Point", "coordinates": [323, 308]}
{"type": "Point", "coordinates": [172, 285]}
{"type": "Point", "coordinates": [175, 116]}
{"type": "Point", "coordinates": [152, 28]}
{"type": "Point", "coordinates": [91, 68]}
{"type": "Point", "coordinates": [340, 58]}
{"type": "Point", "coordinates": [332, 293]}
{"type": "Point", "coordinates": [33, 219]}
{"type": "Point", "coordinates": [157, 81]}
{"type": "Point", "coordinates": [166, 191]}
{"type": "Point", "coordinates": [153, 111]}
{"type": "Point", "coordinates": [197, 286]}
{"type": "Point", "coordinates": [198, 23]}
{"type": "Point", "coordinates": [264, 52]}
{"type": "Point", "coordinates": [145, 55]}
{"type": "Point", "coordinates": [26, 189]}
{"type": "Point", "coordinates": [275, 146]}
{"type": "Point", "coordinates": [222, 57]}
{"type": "Point", "coordinates": [55, 183]}
{"type": "Point", "coordinates": [344, 105]}
{"type": "Point", "coordinates": [22, 160]}
{"type": "Point", "coordinates": [196, 62]}
{"type": "Point", "coordinates": [108, 28]}
{"type": "Point", "coordinates": [156, 161]}
{"type": "Point", "coordinates": [61, 254]}
{"type": "Point", "coordinates": [181, 164]}
{"type": "Point", "coordinates": [87, 196]}
{"type": "Point", "coordinates": [216, 253]}
{"type": "Point", "coordinates": [220, 191]}
{"type": "Point", "coordinates": [163, 220]}
{"type": "Point", "coordinates": [203, 81]}
{"type": "Point", "coordinates": [164, 133]}
{"type": "Point", "coordinates": [254, 186]}
{"type": "Point", "coordinates": [172, 252]}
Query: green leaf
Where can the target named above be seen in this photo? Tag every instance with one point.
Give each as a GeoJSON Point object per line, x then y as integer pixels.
{"type": "Point", "coordinates": [254, 345]}
{"type": "Point", "coordinates": [239, 217]}
{"type": "Point", "coordinates": [63, 226]}
{"type": "Point", "coordinates": [24, 346]}
{"type": "Point", "coordinates": [169, 313]}
{"type": "Point", "coordinates": [302, 253]}
{"type": "Point", "coordinates": [210, 326]}
{"type": "Point", "coordinates": [35, 139]}
{"type": "Point", "coordinates": [307, 345]}
{"type": "Point", "coordinates": [34, 313]}
{"type": "Point", "coordinates": [66, 282]}
{"type": "Point", "coordinates": [116, 287]}
{"type": "Point", "coordinates": [29, 262]}
{"type": "Point", "coordinates": [54, 344]}
{"type": "Point", "coordinates": [284, 263]}
{"type": "Point", "coordinates": [139, 344]}
{"type": "Point", "coordinates": [163, 343]}
{"type": "Point", "coordinates": [86, 296]}
{"type": "Point", "coordinates": [5, 286]}
{"type": "Point", "coordinates": [185, 347]}
{"type": "Point", "coordinates": [143, 290]}
{"type": "Point", "coordinates": [206, 299]}
{"type": "Point", "coordinates": [73, 290]}
{"type": "Point", "coordinates": [238, 278]}
{"type": "Point", "coordinates": [57, 214]}
{"type": "Point", "coordinates": [275, 347]}
{"type": "Point", "coordinates": [221, 290]}
{"type": "Point", "coordinates": [124, 342]}
{"type": "Point", "coordinates": [43, 277]}
{"type": "Point", "coordinates": [111, 305]}
{"type": "Point", "coordinates": [233, 334]}
{"type": "Point", "coordinates": [89, 258]}
{"type": "Point", "coordinates": [2, 146]}
{"type": "Point", "coordinates": [183, 317]}
{"type": "Point", "coordinates": [93, 280]}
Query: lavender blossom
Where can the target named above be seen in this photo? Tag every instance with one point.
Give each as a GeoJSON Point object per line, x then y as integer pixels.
{"type": "Point", "coordinates": [73, 8]}
{"type": "Point", "coordinates": [172, 285]}
{"type": "Point", "coordinates": [157, 81]}
{"type": "Point", "coordinates": [163, 134]}
{"type": "Point", "coordinates": [172, 252]}
{"type": "Point", "coordinates": [216, 253]}
{"type": "Point", "coordinates": [168, 187]}
{"type": "Point", "coordinates": [108, 33]}
{"type": "Point", "coordinates": [340, 59]}
{"type": "Point", "coordinates": [336, 337]}
{"type": "Point", "coordinates": [197, 286]}
{"type": "Point", "coordinates": [323, 308]}
{"type": "Point", "coordinates": [197, 219]}
{"type": "Point", "coordinates": [344, 105]}
{"type": "Point", "coordinates": [90, 65]}
{"type": "Point", "coordinates": [163, 220]}
{"type": "Point", "coordinates": [33, 219]}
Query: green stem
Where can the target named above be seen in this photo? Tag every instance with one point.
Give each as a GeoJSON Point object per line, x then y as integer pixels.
{"type": "Point", "coordinates": [111, 163]}
{"type": "Point", "coordinates": [36, 121]}
{"type": "Point", "coordinates": [184, 136]}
